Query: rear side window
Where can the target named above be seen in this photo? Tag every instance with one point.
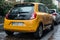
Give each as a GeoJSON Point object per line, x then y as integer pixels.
{"type": "Point", "coordinates": [42, 8]}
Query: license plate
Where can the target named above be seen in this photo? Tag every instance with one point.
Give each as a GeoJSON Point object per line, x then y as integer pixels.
{"type": "Point", "coordinates": [17, 24]}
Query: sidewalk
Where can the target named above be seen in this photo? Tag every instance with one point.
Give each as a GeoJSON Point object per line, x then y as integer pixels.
{"type": "Point", "coordinates": [1, 22]}
{"type": "Point", "coordinates": [1, 27]}
{"type": "Point", "coordinates": [56, 35]}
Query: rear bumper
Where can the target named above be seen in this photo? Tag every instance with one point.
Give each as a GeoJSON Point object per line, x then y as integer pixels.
{"type": "Point", "coordinates": [21, 29]}
{"type": "Point", "coordinates": [29, 26]}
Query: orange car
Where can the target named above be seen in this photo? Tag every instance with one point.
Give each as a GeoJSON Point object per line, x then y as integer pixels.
{"type": "Point", "coordinates": [28, 17]}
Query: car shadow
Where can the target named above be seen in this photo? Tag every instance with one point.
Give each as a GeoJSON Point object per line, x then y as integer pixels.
{"type": "Point", "coordinates": [25, 36]}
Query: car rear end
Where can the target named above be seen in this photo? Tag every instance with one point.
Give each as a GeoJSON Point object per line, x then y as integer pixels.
{"type": "Point", "coordinates": [21, 18]}
{"type": "Point", "coordinates": [54, 14]}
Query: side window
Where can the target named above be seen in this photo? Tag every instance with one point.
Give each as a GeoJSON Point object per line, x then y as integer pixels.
{"type": "Point", "coordinates": [46, 9]}
{"type": "Point", "coordinates": [41, 8]}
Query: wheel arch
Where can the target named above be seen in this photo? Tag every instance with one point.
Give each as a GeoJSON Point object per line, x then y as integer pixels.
{"type": "Point", "coordinates": [40, 23]}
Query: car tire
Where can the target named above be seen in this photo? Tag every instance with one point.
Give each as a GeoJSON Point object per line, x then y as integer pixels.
{"type": "Point", "coordinates": [55, 23]}
{"type": "Point", "coordinates": [52, 26]}
{"type": "Point", "coordinates": [39, 31]}
{"type": "Point", "coordinates": [9, 33]}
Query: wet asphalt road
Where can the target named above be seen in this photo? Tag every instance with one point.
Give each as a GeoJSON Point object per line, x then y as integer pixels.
{"type": "Point", "coordinates": [28, 36]}
{"type": "Point", "coordinates": [56, 34]}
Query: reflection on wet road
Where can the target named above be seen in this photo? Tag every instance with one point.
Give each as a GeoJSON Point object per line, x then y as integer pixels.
{"type": "Point", "coordinates": [26, 36]}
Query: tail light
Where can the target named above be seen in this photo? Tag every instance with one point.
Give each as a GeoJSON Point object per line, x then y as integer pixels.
{"type": "Point", "coordinates": [54, 14]}
{"type": "Point", "coordinates": [33, 16]}
{"type": "Point", "coordinates": [7, 16]}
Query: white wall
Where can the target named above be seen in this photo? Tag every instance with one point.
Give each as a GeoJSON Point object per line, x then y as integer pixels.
{"type": "Point", "coordinates": [6, 0]}
{"type": "Point", "coordinates": [17, 0]}
{"type": "Point", "coordinates": [55, 2]}
{"type": "Point", "coordinates": [20, 1]}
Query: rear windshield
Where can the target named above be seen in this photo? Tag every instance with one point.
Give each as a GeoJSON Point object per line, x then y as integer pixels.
{"type": "Point", "coordinates": [22, 8]}
{"type": "Point", "coordinates": [21, 12]}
